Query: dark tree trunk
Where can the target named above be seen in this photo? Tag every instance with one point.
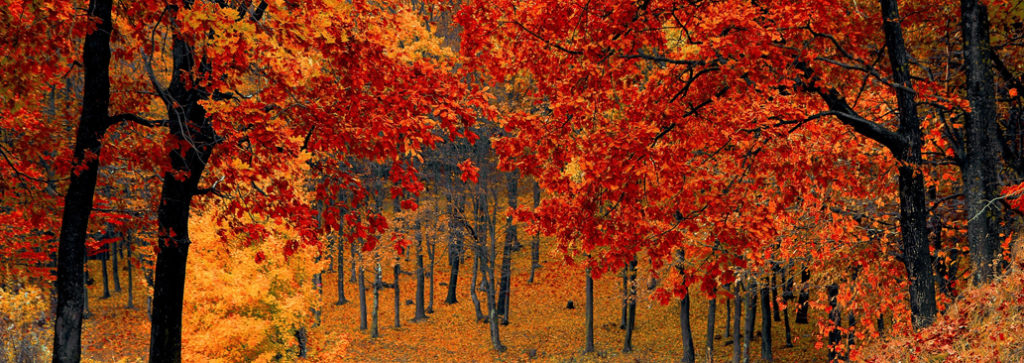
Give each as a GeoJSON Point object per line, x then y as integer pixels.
{"type": "Point", "coordinates": [353, 251]}
{"type": "Point", "coordinates": [630, 302]}
{"type": "Point", "coordinates": [738, 313]}
{"type": "Point", "coordinates": [709, 337]}
{"type": "Point", "coordinates": [85, 290]}
{"type": "Point", "coordinates": [115, 265]}
{"type": "Point", "coordinates": [835, 316]}
{"type": "Point", "coordinates": [430, 254]}
{"type": "Point", "coordinates": [980, 164]}
{"type": "Point", "coordinates": [589, 313]}
{"type": "Point", "coordinates": [787, 296]}
{"type": "Point", "coordinates": [775, 295]}
{"type": "Point", "coordinates": [511, 239]}
{"type": "Point", "coordinates": [766, 324]}
{"type": "Point", "coordinates": [67, 337]}
{"type": "Point", "coordinates": [625, 297]}
{"type": "Point", "coordinates": [341, 271]}
{"type": "Point", "coordinates": [472, 290]}
{"type": "Point", "coordinates": [803, 298]}
{"type": "Point", "coordinates": [913, 214]}
{"type": "Point", "coordinates": [103, 266]}
{"type": "Point", "coordinates": [728, 318]}
{"type": "Point", "coordinates": [131, 279]}
{"type": "Point", "coordinates": [362, 299]}
{"type": "Point", "coordinates": [535, 246]}
{"type": "Point", "coordinates": [398, 296]}
{"type": "Point", "coordinates": [302, 338]}
{"type": "Point", "coordinates": [421, 312]}
{"type": "Point", "coordinates": [374, 332]}
{"type": "Point", "coordinates": [748, 323]}
{"type": "Point", "coordinates": [454, 250]}
{"type": "Point", "coordinates": [684, 325]}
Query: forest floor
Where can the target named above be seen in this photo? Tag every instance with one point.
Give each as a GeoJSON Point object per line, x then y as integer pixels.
{"type": "Point", "coordinates": [540, 324]}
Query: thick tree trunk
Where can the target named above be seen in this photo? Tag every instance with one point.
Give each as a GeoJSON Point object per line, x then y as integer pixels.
{"type": "Point", "coordinates": [913, 214]}
{"type": "Point", "coordinates": [421, 312]}
{"type": "Point", "coordinates": [589, 313]}
{"type": "Point", "coordinates": [709, 337]}
{"type": "Point", "coordinates": [492, 303]}
{"type": "Point", "coordinates": [67, 337]}
{"type": "Point", "coordinates": [766, 324]}
{"type": "Point", "coordinates": [980, 164]}
{"type": "Point", "coordinates": [684, 325]}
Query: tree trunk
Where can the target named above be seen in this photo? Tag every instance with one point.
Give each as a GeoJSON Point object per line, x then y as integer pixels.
{"type": "Point", "coordinates": [454, 250]}
{"type": "Point", "coordinates": [472, 290]}
{"type": "Point", "coordinates": [398, 297]}
{"type": "Point", "coordinates": [103, 266]}
{"type": "Point", "coordinates": [738, 306]}
{"type": "Point", "coordinates": [630, 302]}
{"type": "Point", "coordinates": [131, 279]}
{"type": "Point", "coordinates": [775, 295]}
{"type": "Point", "coordinates": [511, 239]}
{"type": "Point", "coordinates": [341, 271]}
{"type": "Point", "coordinates": [766, 323]}
{"type": "Point", "coordinates": [362, 300]}
{"type": "Point", "coordinates": [117, 273]}
{"type": "Point", "coordinates": [376, 302]}
{"type": "Point", "coordinates": [913, 214]}
{"type": "Point", "coordinates": [67, 337]}
{"type": "Point", "coordinates": [421, 312]}
{"type": "Point", "coordinates": [980, 164]}
{"type": "Point", "coordinates": [803, 298]}
{"type": "Point", "coordinates": [589, 313]}
{"type": "Point", "coordinates": [535, 246]}
{"type": "Point", "coordinates": [709, 341]}
{"type": "Point", "coordinates": [835, 316]}
{"type": "Point", "coordinates": [787, 296]}
{"type": "Point", "coordinates": [684, 324]}
{"type": "Point", "coordinates": [748, 323]}
{"type": "Point", "coordinates": [430, 253]}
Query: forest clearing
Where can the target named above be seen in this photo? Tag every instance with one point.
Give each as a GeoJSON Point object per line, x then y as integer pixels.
{"type": "Point", "coordinates": [512, 180]}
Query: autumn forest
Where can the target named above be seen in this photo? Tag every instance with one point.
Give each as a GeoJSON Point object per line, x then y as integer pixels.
{"type": "Point", "coordinates": [512, 180]}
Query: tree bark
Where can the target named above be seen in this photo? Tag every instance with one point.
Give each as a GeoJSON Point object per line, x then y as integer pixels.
{"type": "Point", "coordinates": [535, 246]}
{"type": "Point", "coordinates": [687, 334]}
{"type": "Point", "coordinates": [766, 323]}
{"type": "Point", "coordinates": [78, 201]}
{"type": "Point", "coordinates": [835, 316]}
{"type": "Point", "coordinates": [748, 323]}
{"type": "Point", "coordinates": [103, 266]}
{"type": "Point", "coordinates": [115, 265]}
{"type": "Point", "coordinates": [738, 306]}
{"type": "Point", "coordinates": [362, 300]}
{"type": "Point", "coordinates": [454, 250]}
{"type": "Point", "coordinates": [341, 271]}
{"type": "Point", "coordinates": [421, 312]}
{"type": "Point", "coordinates": [398, 296]}
{"type": "Point", "coordinates": [803, 298]}
{"type": "Point", "coordinates": [511, 239]}
{"type": "Point", "coordinates": [913, 214]}
{"type": "Point", "coordinates": [980, 164]}
{"type": "Point", "coordinates": [709, 337]}
{"type": "Point", "coordinates": [589, 313]}
{"type": "Point", "coordinates": [472, 290]}
{"type": "Point", "coordinates": [630, 303]}
{"type": "Point", "coordinates": [374, 331]}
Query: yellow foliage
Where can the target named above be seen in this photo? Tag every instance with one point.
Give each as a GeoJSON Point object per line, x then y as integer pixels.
{"type": "Point", "coordinates": [22, 339]}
